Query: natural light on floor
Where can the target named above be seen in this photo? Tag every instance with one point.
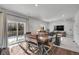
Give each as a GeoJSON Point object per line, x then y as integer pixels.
{"type": "Point", "coordinates": [13, 39]}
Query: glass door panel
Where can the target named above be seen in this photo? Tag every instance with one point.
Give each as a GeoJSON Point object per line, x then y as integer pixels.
{"type": "Point", "coordinates": [20, 31]}
{"type": "Point", "coordinates": [12, 33]}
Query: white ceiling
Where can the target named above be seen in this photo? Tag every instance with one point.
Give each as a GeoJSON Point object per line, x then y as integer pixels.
{"type": "Point", "coordinates": [47, 12]}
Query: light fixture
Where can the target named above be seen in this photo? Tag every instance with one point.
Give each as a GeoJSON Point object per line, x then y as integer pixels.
{"type": "Point", "coordinates": [63, 15]}
{"type": "Point", "coordinates": [36, 5]}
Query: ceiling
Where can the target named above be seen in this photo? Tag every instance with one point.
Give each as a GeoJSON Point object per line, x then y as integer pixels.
{"type": "Point", "coordinates": [46, 12]}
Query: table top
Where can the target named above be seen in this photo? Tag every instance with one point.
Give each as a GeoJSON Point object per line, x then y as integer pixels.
{"type": "Point", "coordinates": [42, 36]}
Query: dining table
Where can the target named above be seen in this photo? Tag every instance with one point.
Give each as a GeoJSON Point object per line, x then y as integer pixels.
{"type": "Point", "coordinates": [41, 39]}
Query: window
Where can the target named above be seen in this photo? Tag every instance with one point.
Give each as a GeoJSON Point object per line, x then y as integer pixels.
{"type": "Point", "coordinates": [15, 32]}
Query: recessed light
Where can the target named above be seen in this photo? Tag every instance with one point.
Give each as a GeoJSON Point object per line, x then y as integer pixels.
{"type": "Point", "coordinates": [36, 5]}
{"type": "Point", "coordinates": [63, 15]}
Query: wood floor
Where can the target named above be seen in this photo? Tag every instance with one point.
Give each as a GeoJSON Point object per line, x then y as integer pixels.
{"type": "Point", "coordinates": [61, 51]}
{"type": "Point", "coordinates": [17, 50]}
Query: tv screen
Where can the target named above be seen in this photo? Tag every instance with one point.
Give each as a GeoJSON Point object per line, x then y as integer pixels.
{"type": "Point", "coordinates": [59, 28]}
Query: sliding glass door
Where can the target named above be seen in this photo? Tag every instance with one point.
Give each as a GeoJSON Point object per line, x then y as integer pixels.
{"type": "Point", "coordinates": [20, 31]}
{"type": "Point", "coordinates": [12, 33]}
{"type": "Point", "coordinates": [15, 32]}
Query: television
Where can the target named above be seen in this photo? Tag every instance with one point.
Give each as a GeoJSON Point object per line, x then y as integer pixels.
{"type": "Point", "coordinates": [59, 28]}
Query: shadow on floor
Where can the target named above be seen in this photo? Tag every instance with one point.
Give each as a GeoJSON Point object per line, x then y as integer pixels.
{"type": "Point", "coordinates": [4, 51]}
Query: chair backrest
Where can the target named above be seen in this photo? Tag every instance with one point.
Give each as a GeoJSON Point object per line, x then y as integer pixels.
{"type": "Point", "coordinates": [42, 36]}
{"type": "Point", "coordinates": [28, 32]}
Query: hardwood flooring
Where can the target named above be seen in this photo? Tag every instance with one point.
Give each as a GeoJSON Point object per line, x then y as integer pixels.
{"type": "Point", "coordinates": [17, 50]}
{"type": "Point", "coordinates": [61, 51]}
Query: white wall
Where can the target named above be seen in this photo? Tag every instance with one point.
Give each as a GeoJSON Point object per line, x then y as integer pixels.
{"type": "Point", "coordinates": [34, 24]}
{"type": "Point", "coordinates": [76, 28]}
{"type": "Point", "coordinates": [68, 26]}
